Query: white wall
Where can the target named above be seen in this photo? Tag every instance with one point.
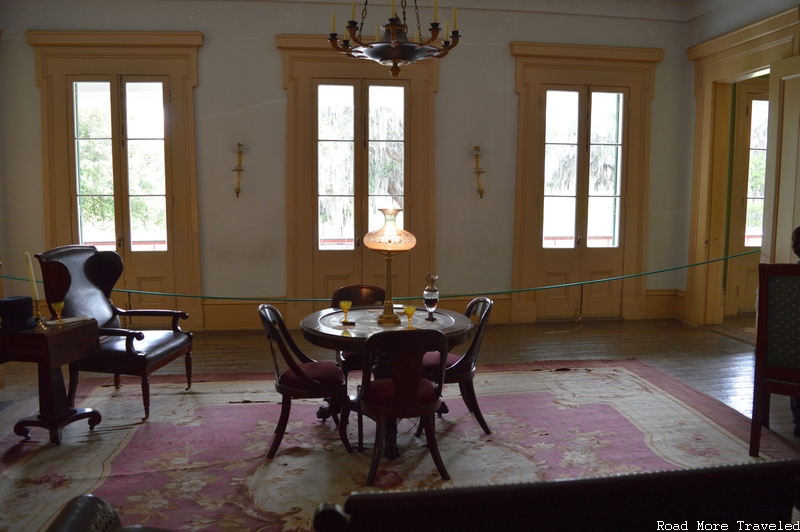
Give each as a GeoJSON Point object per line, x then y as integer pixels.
{"type": "Point", "coordinates": [240, 98]}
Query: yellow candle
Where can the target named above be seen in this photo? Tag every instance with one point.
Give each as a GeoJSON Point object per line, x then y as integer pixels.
{"type": "Point", "coordinates": [353, 12]}
{"type": "Point", "coordinates": [391, 15]}
{"type": "Point", "coordinates": [446, 28]}
{"type": "Point", "coordinates": [333, 23]}
{"type": "Point", "coordinates": [436, 10]}
{"type": "Point", "coordinates": [455, 19]}
{"type": "Point", "coordinates": [416, 35]}
{"type": "Point", "coordinates": [34, 290]}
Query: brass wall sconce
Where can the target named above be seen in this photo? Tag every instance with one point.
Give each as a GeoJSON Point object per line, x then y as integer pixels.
{"type": "Point", "coordinates": [239, 168]}
{"type": "Point", "coordinates": [478, 170]}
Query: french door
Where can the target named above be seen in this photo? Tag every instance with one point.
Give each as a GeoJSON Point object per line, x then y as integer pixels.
{"type": "Point", "coordinates": [581, 200]}
{"type": "Point", "coordinates": [361, 166]}
{"type": "Point", "coordinates": [118, 168]}
{"type": "Point", "coordinates": [746, 210]}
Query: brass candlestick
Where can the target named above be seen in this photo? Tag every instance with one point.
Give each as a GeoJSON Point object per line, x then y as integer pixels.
{"type": "Point", "coordinates": [40, 326]}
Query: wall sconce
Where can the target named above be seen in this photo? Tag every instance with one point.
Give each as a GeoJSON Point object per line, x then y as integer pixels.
{"type": "Point", "coordinates": [239, 168]}
{"type": "Point", "coordinates": [478, 170]}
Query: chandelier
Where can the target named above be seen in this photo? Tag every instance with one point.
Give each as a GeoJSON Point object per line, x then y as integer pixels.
{"type": "Point", "coordinates": [394, 48]}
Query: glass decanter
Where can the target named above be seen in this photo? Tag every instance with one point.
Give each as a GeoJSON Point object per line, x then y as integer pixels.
{"type": "Point", "coordinates": [430, 296]}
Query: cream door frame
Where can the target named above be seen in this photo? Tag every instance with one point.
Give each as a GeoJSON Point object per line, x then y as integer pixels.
{"type": "Point", "coordinates": [306, 57]}
{"type": "Point", "coordinates": [739, 55]}
{"type": "Point", "coordinates": [632, 67]}
{"type": "Point", "coordinates": [62, 53]}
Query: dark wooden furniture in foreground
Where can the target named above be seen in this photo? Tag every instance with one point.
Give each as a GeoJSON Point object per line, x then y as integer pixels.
{"type": "Point", "coordinates": [50, 349]}
{"type": "Point", "coordinates": [324, 328]}
{"type": "Point", "coordinates": [753, 493]}
{"type": "Point", "coordinates": [88, 512]}
{"type": "Point", "coordinates": [401, 389]}
{"type": "Point", "coordinates": [83, 279]}
{"type": "Point", "coordinates": [777, 364]}
{"type": "Point", "coordinates": [299, 377]}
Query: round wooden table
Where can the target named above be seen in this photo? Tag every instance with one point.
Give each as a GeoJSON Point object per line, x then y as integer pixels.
{"type": "Point", "coordinates": [324, 328]}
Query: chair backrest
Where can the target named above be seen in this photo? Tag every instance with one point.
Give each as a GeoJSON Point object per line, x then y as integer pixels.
{"type": "Point", "coordinates": [399, 356]}
{"type": "Point", "coordinates": [361, 295]}
{"type": "Point", "coordinates": [778, 321]}
{"type": "Point", "coordinates": [83, 278]}
{"type": "Point", "coordinates": [278, 334]}
{"type": "Point", "coordinates": [479, 308]}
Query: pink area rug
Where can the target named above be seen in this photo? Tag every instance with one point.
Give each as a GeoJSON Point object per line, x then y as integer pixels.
{"type": "Point", "coordinates": [199, 462]}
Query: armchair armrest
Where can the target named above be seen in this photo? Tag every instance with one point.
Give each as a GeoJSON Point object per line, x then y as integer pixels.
{"type": "Point", "coordinates": [157, 313]}
{"type": "Point", "coordinates": [130, 336]}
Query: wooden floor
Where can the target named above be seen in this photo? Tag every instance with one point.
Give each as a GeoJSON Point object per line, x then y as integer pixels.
{"type": "Point", "coordinates": [717, 364]}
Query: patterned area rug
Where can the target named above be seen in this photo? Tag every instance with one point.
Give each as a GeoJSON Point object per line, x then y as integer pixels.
{"type": "Point", "coordinates": [199, 463]}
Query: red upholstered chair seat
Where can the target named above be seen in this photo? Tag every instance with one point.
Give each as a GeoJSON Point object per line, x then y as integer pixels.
{"type": "Point", "coordinates": [381, 392]}
{"type": "Point", "coordinates": [322, 372]}
{"type": "Point", "coordinates": [431, 361]}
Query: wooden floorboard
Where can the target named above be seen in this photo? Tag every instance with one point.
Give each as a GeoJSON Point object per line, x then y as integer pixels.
{"type": "Point", "coordinates": [716, 364]}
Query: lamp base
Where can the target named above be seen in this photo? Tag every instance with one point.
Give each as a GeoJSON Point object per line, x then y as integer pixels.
{"type": "Point", "coordinates": [389, 319]}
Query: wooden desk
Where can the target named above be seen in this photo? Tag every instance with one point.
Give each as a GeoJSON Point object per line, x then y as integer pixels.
{"type": "Point", "coordinates": [51, 349]}
{"type": "Point", "coordinates": [324, 329]}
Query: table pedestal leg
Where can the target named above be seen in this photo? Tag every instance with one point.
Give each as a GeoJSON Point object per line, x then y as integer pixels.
{"type": "Point", "coordinates": [54, 410]}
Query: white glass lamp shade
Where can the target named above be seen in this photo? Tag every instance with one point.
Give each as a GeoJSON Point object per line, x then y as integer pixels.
{"type": "Point", "coordinates": [389, 239]}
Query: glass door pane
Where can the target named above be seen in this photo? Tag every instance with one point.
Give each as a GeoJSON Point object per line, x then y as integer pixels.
{"type": "Point", "coordinates": [605, 158]}
{"type": "Point", "coordinates": [755, 179]}
{"type": "Point", "coordinates": [560, 169]}
{"type": "Point", "coordinates": [94, 164]}
{"type": "Point", "coordinates": [386, 152]}
{"type": "Point", "coordinates": [147, 197]}
{"type": "Point", "coordinates": [336, 167]}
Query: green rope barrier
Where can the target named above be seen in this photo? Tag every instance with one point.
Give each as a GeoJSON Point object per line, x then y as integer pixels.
{"type": "Point", "coordinates": [519, 290]}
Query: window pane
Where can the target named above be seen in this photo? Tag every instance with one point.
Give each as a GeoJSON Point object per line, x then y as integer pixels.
{"type": "Point", "coordinates": [144, 112]}
{"type": "Point", "coordinates": [386, 157]}
{"type": "Point", "coordinates": [560, 170]}
{"type": "Point", "coordinates": [756, 172]}
{"type": "Point", "coordinates": [94, 161]}
{"type": "Point", "coordinates": [335, 167]}
{"type": "Point", "coordinates": [386, 168]}
{"type": "Point", "coordinates": [558, 228]}
{"type": "Point", "coordinates": [755, 229]}
{"type": "Point", "coordinates": [605, 170]}
{"type": "Point", "coordinates": [562, 117]}
{"type": "Point", "coordinates": [96, 214]}
{"type": "Point", "coordinates": [606, 118]}
{"type": "Point", "coordinates": [148, 223]}
{"type": "Point", "coordinates": [335, 116]}
{"type": "Point", "coordinates": [386, 113]}
{"type": "Point", "coordinates": [604, 167]}
{"type": "Point", "coordinates": [603, 223]}
{"type": "Point", "coordinates": [336, 228]}
{"type": "Point", "coordinates": [146, 167]}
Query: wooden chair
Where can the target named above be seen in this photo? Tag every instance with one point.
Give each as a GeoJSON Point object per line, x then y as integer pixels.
{"type": "Point", "coordinates": [83, 278]}
{"type": "Point", "coordinates": [362, 295]}
{"type": "Point", "coordinates": [461, 368]}
{"type": "Point", "coordinates": [777, 366]}
{"type": "Point", "coordinates": [301, 377]}
{"type": "Point", "coordinates": [400, 388]}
